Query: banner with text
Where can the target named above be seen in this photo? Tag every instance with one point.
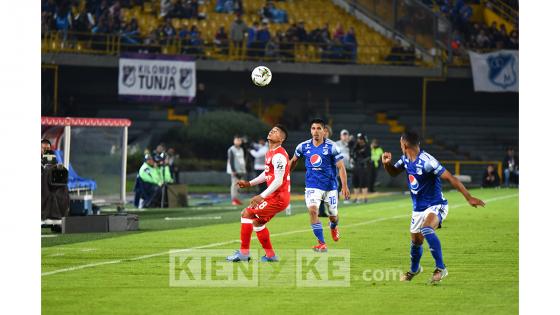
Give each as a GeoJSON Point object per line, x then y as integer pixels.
{"type": "Point", "coordinates": [157, 77]}
{"type": "Point", "coordinates": [495, 72]}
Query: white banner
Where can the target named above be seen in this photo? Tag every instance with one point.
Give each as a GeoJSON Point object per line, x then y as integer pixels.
{"type": "Point", "coordinates": [156, 77]}
{"type": "Point", "coordinates": [495, 72]}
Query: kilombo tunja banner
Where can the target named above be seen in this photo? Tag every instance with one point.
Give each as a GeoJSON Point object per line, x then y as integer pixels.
{"type": "Point", "coordinates": [157, 77]}
{"type": "Point", "coordinates": [495, 72]}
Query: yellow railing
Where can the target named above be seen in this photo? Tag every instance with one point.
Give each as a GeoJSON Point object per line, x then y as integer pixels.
{"type": "Point", "coordinates": [457, 165]}
{"type": "Point", "coordinates": [503, 10]}
{"type": "Point", "coordinates": [112, 44]}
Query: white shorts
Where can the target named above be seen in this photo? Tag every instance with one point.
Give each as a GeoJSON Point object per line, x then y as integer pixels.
{"type": "Point", "coordinates": [419, 217]}
{"type": "Point", "coordinates": [314, 196]}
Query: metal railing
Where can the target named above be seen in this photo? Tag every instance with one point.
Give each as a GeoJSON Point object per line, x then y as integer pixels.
{"type": "Point", "coordinates": [305, 52]}
{"type": "Point", "coordinates": [414, 21]}
{"type": "Point", "coordinates": [457, 165]}
{"type": "Point", "coordinates": [504, 10]}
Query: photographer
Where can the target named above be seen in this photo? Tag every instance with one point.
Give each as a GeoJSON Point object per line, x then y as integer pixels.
{"type": "Point", "coordinates": [55, 199]}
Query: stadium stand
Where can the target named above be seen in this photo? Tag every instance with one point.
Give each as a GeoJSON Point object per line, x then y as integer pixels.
{"type": "Point", "coordinates": [109, 27]}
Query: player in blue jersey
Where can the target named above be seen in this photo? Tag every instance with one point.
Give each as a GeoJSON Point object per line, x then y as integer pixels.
{"type": "Point", "coordinates": [322, 159]}
{"type": "Point", "coordinates": [429, 207]}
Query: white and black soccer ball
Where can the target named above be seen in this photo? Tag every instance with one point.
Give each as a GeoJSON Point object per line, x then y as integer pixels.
{"type": "Point", "coordinates": [261, 76]}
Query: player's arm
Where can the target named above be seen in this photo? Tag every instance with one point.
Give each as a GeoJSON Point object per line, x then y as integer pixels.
{"type": "Point", "coordinates": [388, 166]}
{"type": "Point", "coordinates": [279, 163]}
{"type": "Point", "coordinates": [255, 181]}
{"type": "Point", "coordinates": [475, 202]}
{"type": "Point", "coordinates": [294, 160]}
{"type": "Point", "coordinates": [343, 179]}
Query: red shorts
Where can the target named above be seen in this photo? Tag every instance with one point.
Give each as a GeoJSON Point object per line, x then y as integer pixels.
{"type": "Point", "coordinates": [266, 210]}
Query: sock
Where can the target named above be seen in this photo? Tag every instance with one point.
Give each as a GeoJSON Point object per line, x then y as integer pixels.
{"type": "Point", "coordinates": [334, 224]}
{"type": "Point", "coordinates": [415, 255]}
{"type": "Point", "coordinates": [435, 246]}
{"type": "Point", "coordinates": [246, 231]}
{"type": "Point", "coordinates": [264, 237]}
{"type": "Point", "coordinates": [318, 231]}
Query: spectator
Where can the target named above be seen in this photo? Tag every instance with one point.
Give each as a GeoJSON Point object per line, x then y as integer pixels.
{"type": "Point", "coordinates": [344, 144]}
{"type": "Point", "coordinates": [272, 49]}
{"type": "Point", "coordinates": [376, 153]}
{"type": "Point", "coordinates": [301, 34]}
{"type": "Point", "coordinates": [270, 13]}
{"type": "Point", "coordinates": [221, 40]}
{"type": "Point", "coordinates": [168, 31]}
{"type": "Point", "coordinates": [131, 33]}
{"type": "Point", "coordinates": [236, 168]}
{"type": "Point", "coordinates": [339, 32]}
{"type": "Point", "coordinates": [362, 158]}
{"type": "Point", "coordinates": [63, 20]}
{"type": "Point", "coordinates": [195, 43]}
{"type": "Point", "coordinates": [166, 7]}
{"type": "Point", "coordinates": [350, 45]}
{"type": "Point", "coordinates": [258, 152]}
{"type": "Point", "coordinates": [490, 177]}
{"type": "Point", "coordinates": [263, 36]}
{"type": "Point", "coordinates": [252, 40]}
{"type": "Point", "coordinates": [511, 167]}
{"type": "Point", "coordinates": [237, 34]}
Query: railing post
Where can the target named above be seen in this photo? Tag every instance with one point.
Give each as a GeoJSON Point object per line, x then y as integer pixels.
{"type": "Point", "coordinates": [457, 168]}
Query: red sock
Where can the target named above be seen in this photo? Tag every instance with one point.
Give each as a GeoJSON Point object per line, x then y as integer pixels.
{"type": "Point", "coordinates": [246, 231]}
{"type": "Point", "coordinates": [264, 238]}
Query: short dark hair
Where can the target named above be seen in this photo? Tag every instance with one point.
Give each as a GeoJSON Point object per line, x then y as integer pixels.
{"type": "Point", "coordinates": [284, 130]}
{"type": "Point", "coordinates": [318, 121]}
{"type": "Point", "coordinates": [411, 137]}
{"type": "Point", "coordinates": [45, 141]}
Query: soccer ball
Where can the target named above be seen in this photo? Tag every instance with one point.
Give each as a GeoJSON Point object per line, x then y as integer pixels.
{"type": "Point", "coordinates": [261, 76]}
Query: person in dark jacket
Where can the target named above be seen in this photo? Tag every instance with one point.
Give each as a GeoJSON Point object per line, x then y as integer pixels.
{"type": "Point", "coordinates": [361, 155]}
{"type": "Point", "coordinates": [490, 177]}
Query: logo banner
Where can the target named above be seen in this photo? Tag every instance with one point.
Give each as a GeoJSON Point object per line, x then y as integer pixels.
{"type": "Point", "coordinates": [157, 77]}
{"type": "Point", "coordinates": [495, 72]}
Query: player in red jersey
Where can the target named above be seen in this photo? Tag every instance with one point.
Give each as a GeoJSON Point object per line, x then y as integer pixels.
{"type": "Point", "coordinates": [274, 199]}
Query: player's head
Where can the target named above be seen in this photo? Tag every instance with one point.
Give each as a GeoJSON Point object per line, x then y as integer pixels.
{"type": "Point", "coordinates": [410, 140]}
{"type": "Point", "coordinates": [45, 145]}
{"type": "Point", "coordinates": [318, 129]}
{"type": "Point", "coordinates": [278, 133]}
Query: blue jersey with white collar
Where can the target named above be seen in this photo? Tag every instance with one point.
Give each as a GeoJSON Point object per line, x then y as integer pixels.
{"type": "Point", "coordinates": [320, 164]}
{"type": "Point", "coordinates": [423, 180]}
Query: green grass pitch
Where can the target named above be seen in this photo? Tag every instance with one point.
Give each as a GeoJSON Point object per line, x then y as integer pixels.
{"type": "Point", "coordinates": [129, 273]}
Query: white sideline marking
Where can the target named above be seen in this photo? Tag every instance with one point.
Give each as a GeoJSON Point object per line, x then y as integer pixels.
{"type": "Point", "coordinates": [111, 262]}
{"type": "Point", "coordinates": [49, 235]}
{"type": "Point", "coordinates": [192, 218]}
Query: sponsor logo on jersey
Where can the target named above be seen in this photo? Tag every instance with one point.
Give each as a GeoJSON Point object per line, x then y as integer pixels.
{"type": "Point", "coordinates": [316, 160]}
{"type": "Point", "coordinates": [413, 182]}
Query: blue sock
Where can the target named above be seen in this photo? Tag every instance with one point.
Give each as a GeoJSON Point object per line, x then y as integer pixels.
{"type": "Point", "coordinates": [435, 246]}
{"type": "Point", "coordinates": [334, 224]}
{"type": "Point", "coordinates": [415, 255]}
{"type": "Point", "coordinates": [318, 231]}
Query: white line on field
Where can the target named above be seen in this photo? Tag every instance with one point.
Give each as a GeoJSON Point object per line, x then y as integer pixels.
{"type": "Point", "coordinates": [192, 218]}
{"type": "Point", "coordinates": [111, 262]}
{"type": "Point", "coordinates": [49, 235]}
